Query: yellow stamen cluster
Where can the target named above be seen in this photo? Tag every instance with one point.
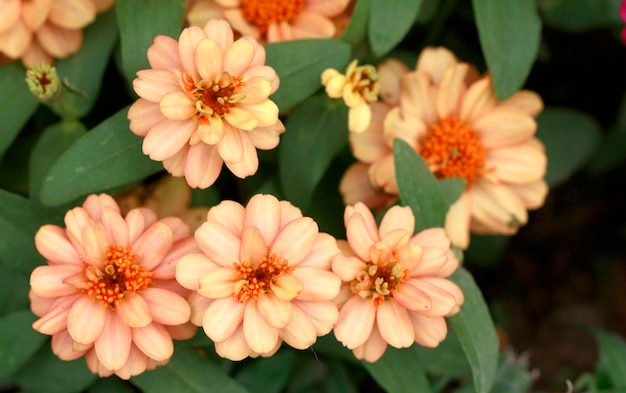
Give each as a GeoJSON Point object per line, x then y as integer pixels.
{"type": "Point", "coordinates": [263, 13]}
{"type": "Point", "coordinates": [379, 279]}
{"type": "Point", "coordinates": [451, 149]}
{"type": "Point", "coordinates": [253, 281]}
{"type": "Point", "coordinates": [120, 277]}
{"type": "Point", "coordinates": [214, 98]}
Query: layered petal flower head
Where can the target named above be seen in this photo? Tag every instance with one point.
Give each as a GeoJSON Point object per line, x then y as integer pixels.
{"type": "Point", "coordinates": [39, 31]}
{"type": "Point", "coordinates": [109, 291]}
{"type": "Point", "coordinates": [273, 20]}
{"type": "Point", "coordinates": [262, 277]}
{"type": "Point", "coordinates": [205, 103]}
{"type": "Point", "coordinates": [453, 119]}
{"type": "Point", "coordinates": [359, 87]}
{"type": "Point", "coordinates": [396, 290]}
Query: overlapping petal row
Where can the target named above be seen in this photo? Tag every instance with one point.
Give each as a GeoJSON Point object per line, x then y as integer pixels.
{"type": "Point", "coordinates": [395, 289]}
{"type": "Point", "coordinates": [108, 291]}
{"type": "Point", "coordinates": [204, 103]}
{"type": "Point", "coordinates": [451, 116]}
{"type": "Point", "coordinates": [262, 277]}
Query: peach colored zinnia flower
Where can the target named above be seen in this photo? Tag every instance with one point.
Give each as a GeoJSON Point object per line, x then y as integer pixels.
{"type": "Point", "coordinates": [109, 291]}
{"type": "Point", "coordinates": [396, 289]}
{"type": "Point", "coordinates": [205, 102]}
{"type": "Point", "coordinates": [263, 277]}
{"type": "Point", "coordinates": [453, 119]}
{"type": "Point", "coordinates": [273, 20]}
{"type": "Point", "coordinates": [36, 31]}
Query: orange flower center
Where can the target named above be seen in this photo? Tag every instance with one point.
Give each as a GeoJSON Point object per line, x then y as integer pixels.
{"type": "Point", "coordinates": [121, 277]}
{"type": "Point", "coordinates": [451, 149]}
{"type": "Point", "coordinates": [379, 279]}
{"type": "Point", "coordinates": [262, 13]}
{"type": "Point", "coordinates": [214, 98]}
{"type": "Point", "coordinates": [253, 281]}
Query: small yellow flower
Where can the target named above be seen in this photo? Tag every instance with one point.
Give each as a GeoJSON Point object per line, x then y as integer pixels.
{"type": "Point", "coordinates": [358, 87]}
{"type": "Point", "coordinates": [44, 83]}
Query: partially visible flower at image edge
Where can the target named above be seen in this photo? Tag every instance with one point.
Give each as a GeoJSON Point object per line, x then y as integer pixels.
{"type": "Point", "coordinates": [622, 14]}
{"type": "Point", "coordinates": [205, 103]}
{"type": "Point", "coordinates": [271, 20]}
{"type": "Point", "coordinates": [39, 31]}
{"type": "Point", "coordinates": [451, 116]}
{"type": "Point", "coordinates": [262, 278]}
{"type": "Point", "coordinates": [396, 290]}
{"type": "Point", "coordinates": [108, 291]}
{"type": "Point", "coordinates": [358, 87]}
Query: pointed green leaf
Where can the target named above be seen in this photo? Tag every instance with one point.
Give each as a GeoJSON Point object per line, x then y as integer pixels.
{"type": "Point", "coordinates": [389, 22]}
{"type": "Point", "coordinates": [452, 189]}
{"type": "Point", "coordinates": [269, 375]}
{"type": "Point", "coordinates": [299, 65]}
{"type": "Point", "coordinates": [355, 32]}
{"type": "Point", "coordinates": [14, 289]}
{"type": "Point", "coordinates": [476, 332]}
{"type": "Point", "coordinates": [18, 340]}
{"type": "Point", "coordinates": [139, 22]}
{"type": "Point", "coordinates": [17, 103]}
{"type": "Point", "coordinates": [399, 371]}
{"type": "Point", "coordinates": [581, 15]}
{"type": "Point", "coordinates": [316, 132]}
{"type": "Point", "coordinates": [556, 125]}
{"type": "Point", "coordinates": [111, 384]}
{"type": "Point", "coordinates": [187, 372]}
{"type": "Point", "coordinates": [509, 33]}
{"type": "Point", "coordinates": [107, 156]}
{"type": "Point", "coordinates": [612, 360]}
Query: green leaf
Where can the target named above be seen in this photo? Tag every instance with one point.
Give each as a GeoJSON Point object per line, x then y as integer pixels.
{"type": "Point", "coordinates": [20, 218]}
{"type": "Point", "coordinates": [581, 15]}
{"type": "Point", "coordinates": [46, 373]}
{"type": "Point", "coordinates": [111, 384]}
{"type": "Point", "coordinates": [53, 142]}
{"type": "Point", "coordinates": [13, 295]}
{"type": "Point", "coordinates": [339, 379]}
{"type": "Point", "coordinates": [108, 156]}
{"type": "Point", "coordinates": [17, 103]}
{"type": "Point", "coordinates": [399, 370]}
{"type": "Point", "coordinates": [299, 65]}
{"type": "Point", "coordinates": [139, 22]}
{"type": "Point", "coordinates": [85, 69]}
{"type": "Point", "coordinates": [445, 360]}
{"type": "Point", "coordinates": [355, 32]}
{"type": "Point", "coordinates": [452, 189]}
{"type": "Point", "coordinates": [267, 375]}
{"type": "Point", "coordinates": [476, 332]}
{"type": "Point", "coordinates": [612, 360]}
{"type": "Point", "coordinates": [316, 132]}
{"type": "Point", "coordinates": [509, 33]}
{"type": "Point", "coordinates": [611, 152]}
{"type": "Point", "coordinates": [187, 372]}
{"type": "Point", "coordinates": [389, 22]}
{"type": "Point", "coordinates": [555, 126]}
{"type": "Point", "coordinates": [18, 340]}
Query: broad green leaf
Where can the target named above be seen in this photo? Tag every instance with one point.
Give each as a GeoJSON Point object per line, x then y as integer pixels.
{"type": "Point", "coordinates": [20, 218]}
{"type": "Point", "coordinates": [13, 295]}
{"type": "Point", "coordinates": [509, 33]}
{"type": "Point", "coordinates": [139, 22]}
{"type": "Point", "coordinates": [476, 332]}
{"type": "Point", "coordinates": [299, 65]}
{"type": "Point", "coordinates": [445, 360]}
{"type": "Point", "coordinates": [316, 132]}
{"type": "Point", "coordinates": [487, 250]}
{"type": "Point", "coordinates": [17, 103]}
{"type": "Point", "coordinates": [339, 379]}
{"type": "Point", "coordinates": [399, 371]}
{"type": "Point", "coordinates": [611, 152]}
{"type": "Point", "coordinates": [46, 373]}
{"type": "Point", "coordinates": [85, 69]}
{"type": "Point", "coordinates": [581, 15]}
{"type": "Point", "coordinates": [111, 384]}
{"type": "Point", "coordinates": [452, 189]}
{"type": "Point", "coordinates": [389, 22]}
{"type": "Point", "coordinates": [355, 32]}
{"type": "Point", "coordinates": [18, 340]}
{"type": "Point", "coordinates": [612, 360]}
{"type": "Point", "coordinates": [267, 375]}
{"type": "Point", "coordinates": [187, 372]}
{"type": "Point", "coordinates": [556, 126]}
{"type": "Point", "coordinates": [107, 156]}
{"type": "Point", "coordinates": [54, 140]}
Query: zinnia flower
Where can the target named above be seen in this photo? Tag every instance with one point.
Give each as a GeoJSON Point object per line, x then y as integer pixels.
{"type": "Point", "coordinates": [273, 20]}
{"type": "Point", "coordinates": [205, 102]}
{"type": "Point", "coordinates": [262, 277]}
{"type": "Point", "coordinates": [395, 291]}
{"type": "Point", "coordinates": [36, 31]}
{"type": "Point", "coordinates": [622, 14]}
{"type": "Point", "coordinates": [109, 291]}
{"type": "Point", "coordinates": [358, 87]}
{"type": "Point", "coordinates": [453, 119]}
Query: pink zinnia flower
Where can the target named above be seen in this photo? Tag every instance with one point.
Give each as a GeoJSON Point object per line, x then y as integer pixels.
{"type": "Point", "coordinates": [273, 20]}
{"type": "Point", "coordinates": [205, 102]}
{"type": "Point", "coordinates": [263, 277]}
{"type": "Point", "coordinates": [395, 291]}
{"type": "Point", "coordinates": [453, 119]}
{"type": "Point", "coordinates": [622, 14]}
{"type": "Point", "coordinates": [109, 291]}
{"type": "Point", "coordinates": [36, 31]}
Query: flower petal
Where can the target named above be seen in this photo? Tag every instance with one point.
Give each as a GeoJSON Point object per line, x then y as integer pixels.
{"type": "Point", "coordinates": [276, 312]}
{"type": "Point", "coordinates": [261, 337]}
{"type": "Point", "coordinates": [295, 240]}
{"type": "Point", "coordinates": [166, 307]}
{"type": "Point", "coordinates": [208, 59]}
{"type": "Point", "coordinates": [356, 319]}
{"type": "Point", "coordinates": [218, 243]}
{"type": "Point", "coordinates": [300, 332]}
{"type": "Point", "coordinates": [113, 345]}
{"type": "Point", "coordinates": [153, 245]}
{"type": "Point", "coordinates": [317, 285]}
{"type": "Point", "coordinates": [133, 311]}
{"type": "Point", "coordinates": [218, 283]}
{"type": "Point", "coordinates": [154, 341]}
{"type": "Point", "coordinates": [263, 212]}
{"type": "Point", "coordinates": [222, 318]}
{"type": "Point", "coordinates": [52, 243]}
{"type": "Point", "coordinates": [48, 281]}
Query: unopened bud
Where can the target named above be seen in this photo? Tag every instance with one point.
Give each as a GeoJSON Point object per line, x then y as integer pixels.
{"type": "Point", "coordinates": [44, 83]}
